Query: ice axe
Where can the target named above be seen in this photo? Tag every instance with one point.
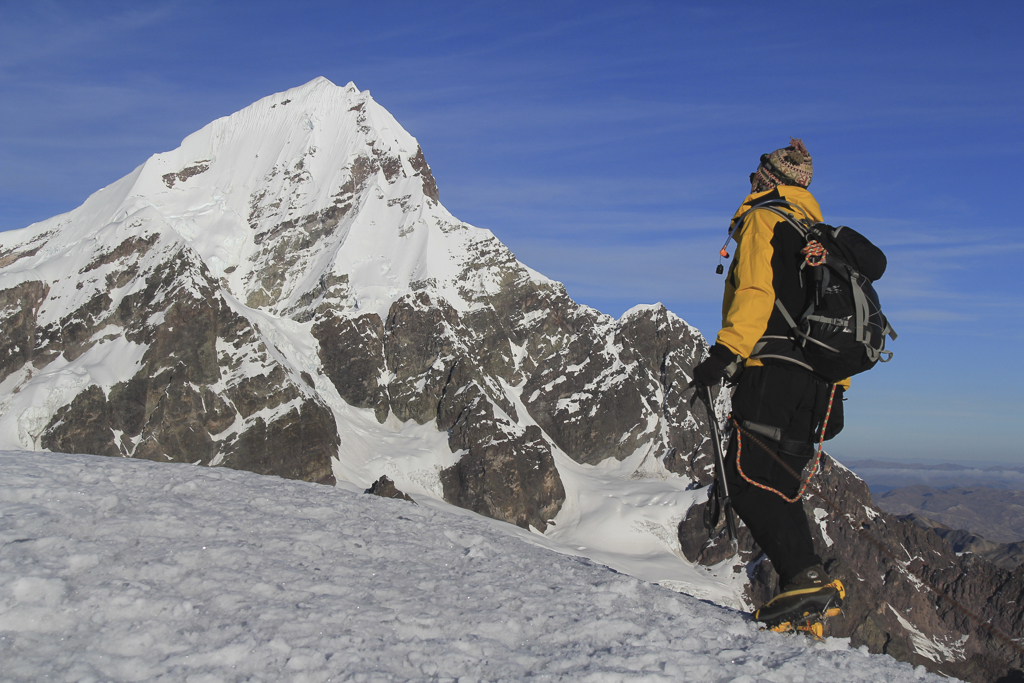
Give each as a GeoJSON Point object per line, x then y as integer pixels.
{"type": "Point", "coordinates": [721, 492]}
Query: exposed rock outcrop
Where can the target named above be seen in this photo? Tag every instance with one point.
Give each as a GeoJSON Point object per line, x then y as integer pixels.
{"type": "Point", "coordinates": [385, 488]}
{"type": "Point", "coordinates": [507, 472]}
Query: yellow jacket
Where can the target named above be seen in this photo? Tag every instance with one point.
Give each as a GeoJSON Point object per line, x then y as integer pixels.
{"type": "Point", "coordinates": [765, 267]}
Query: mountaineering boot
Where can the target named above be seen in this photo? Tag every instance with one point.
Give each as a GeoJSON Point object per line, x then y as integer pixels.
{"type": "Point", "coordinates": [805, 601]}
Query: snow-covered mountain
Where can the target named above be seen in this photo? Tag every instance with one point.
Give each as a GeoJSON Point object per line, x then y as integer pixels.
{"type": "Point", "coordinates": [172, 573]}
{"type": "Point", "coordinates": [285, 294]}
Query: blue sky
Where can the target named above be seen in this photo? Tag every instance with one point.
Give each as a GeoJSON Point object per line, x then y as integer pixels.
{"type": "Point", "coordinates": [607, 144]}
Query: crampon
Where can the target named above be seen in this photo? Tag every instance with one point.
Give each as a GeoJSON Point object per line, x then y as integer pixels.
{"type": "Point", "coordinates": [802, 611]}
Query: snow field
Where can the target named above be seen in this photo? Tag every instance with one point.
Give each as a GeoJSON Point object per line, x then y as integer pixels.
{"type": "Point", "coordinates": [124, 570]}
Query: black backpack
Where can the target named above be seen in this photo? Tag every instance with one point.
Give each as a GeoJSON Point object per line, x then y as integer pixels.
{"type": "Point", "coordinates": [842, 330]}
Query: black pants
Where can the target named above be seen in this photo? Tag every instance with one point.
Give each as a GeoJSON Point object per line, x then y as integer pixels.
{"type": "Point", "coordinates": [795, 401]}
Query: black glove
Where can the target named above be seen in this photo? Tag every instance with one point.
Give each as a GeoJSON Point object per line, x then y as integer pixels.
{"type": "Point", "coordinates": [835, 418]}
{"type": "Point", "coordinates": [720, 364]}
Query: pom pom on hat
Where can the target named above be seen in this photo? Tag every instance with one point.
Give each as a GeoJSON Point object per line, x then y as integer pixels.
{"type": "Point", "coordinates": [787, 166]}
{"type": "Point", "coordinates": [798, 146]}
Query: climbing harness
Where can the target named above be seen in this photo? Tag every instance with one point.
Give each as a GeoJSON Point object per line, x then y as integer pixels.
{"type": "Point", "coordinates": [740, 430]}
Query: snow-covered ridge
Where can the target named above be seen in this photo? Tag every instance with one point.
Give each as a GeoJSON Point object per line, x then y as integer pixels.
{"type": "Point", "coordinates": [235, 187]}
{"type": "Point", "coordinates": [181, 573]}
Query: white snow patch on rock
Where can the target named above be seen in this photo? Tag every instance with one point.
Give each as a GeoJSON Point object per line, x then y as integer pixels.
{"type": "Point", "coordinates": [929, 648]}
{"type": "Point", "coordinates": [820, 516]}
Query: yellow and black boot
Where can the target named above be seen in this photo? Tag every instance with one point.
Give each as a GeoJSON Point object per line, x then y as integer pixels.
{"type": "Point", "coordinates": [806, 600]}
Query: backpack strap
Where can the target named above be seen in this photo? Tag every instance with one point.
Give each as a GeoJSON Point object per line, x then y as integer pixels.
{"type": "Point", "coordinates": [863, 311]}
{"type": "Point", "coordinates": [796, 327]}
{"type": "Point", "coordinates": [777, 207]}
{"type": "Point", "coordinates": [779, 347]}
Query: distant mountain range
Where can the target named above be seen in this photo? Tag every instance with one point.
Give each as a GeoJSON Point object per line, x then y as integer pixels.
{"type": "Point", "coordinates": [1005, 555]}
{"type": "Point", "coordinates": [976, 510]}
{"type": "Point", "coordinates": [882, 476]}
{"type": "Point", "coordinates": [942, 466]}
{"type": "Point", "coordinates": [996, 514]}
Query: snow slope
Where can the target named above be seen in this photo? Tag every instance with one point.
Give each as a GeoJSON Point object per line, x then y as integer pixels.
{"type": "Point", "coordinates": [125, 570]}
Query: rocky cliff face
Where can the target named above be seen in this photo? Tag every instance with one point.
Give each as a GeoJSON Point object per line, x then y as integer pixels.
{"type": "Point", "coordinates": [285, 294]}
{"type": "Point", "coordinates": [913, 595]}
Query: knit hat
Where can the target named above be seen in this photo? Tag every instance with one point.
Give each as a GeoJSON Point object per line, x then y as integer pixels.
{"type": "Point", "coordinates": [787, 166]}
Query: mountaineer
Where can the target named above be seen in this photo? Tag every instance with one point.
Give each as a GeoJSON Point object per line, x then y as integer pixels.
{"type": "Point", "coordinates": [780, 402]}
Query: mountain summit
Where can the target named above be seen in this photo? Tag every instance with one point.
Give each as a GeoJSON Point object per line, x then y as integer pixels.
{"type": "Point", "coordinates": [290, 193]}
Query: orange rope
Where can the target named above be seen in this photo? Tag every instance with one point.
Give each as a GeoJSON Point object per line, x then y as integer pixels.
{"type": "Point", "coordinates": [814, 468]}
{"type": "Point", "coordinates": [814, 253]}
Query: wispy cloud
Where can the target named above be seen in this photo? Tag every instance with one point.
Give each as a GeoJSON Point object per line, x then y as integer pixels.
{"type": "Point", "coordinates": [931, 315]}
{"type": "Point", "coordinates": [39, 33]}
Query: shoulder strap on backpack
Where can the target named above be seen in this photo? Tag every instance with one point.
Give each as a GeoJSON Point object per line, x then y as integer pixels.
{"type": "Point", "coordinates": [778, 206]}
